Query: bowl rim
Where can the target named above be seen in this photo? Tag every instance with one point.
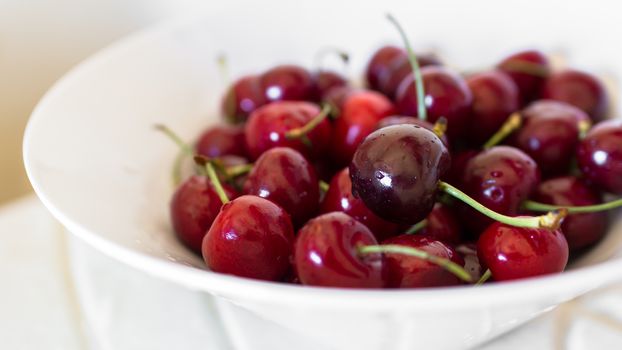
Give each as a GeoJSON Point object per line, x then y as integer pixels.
{"type": "Point", "coordinates": [564, 284]}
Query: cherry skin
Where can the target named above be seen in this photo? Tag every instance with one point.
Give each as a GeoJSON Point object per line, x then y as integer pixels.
{"type": "Point", "coordinates": [337, 96]}
{"type": "Point", "coordinates": [379, 67]}
{"type": "Point", "coordinates": [400, 119]}
{"type": "Point", "coordinates": [410, 272]}
{"type": "Point", "coordinates": [580, 89]}
{"type": "Point", "coordinates": [285, 177]}
{"type": "Point", "coordinates": [360, 113]}
{"type": "Point", "coordinates": [326, 254]}
{"type": "Point", "coordinates": [600, 155]}
{"type": "Point", "coordinates": [459, 162]}
{"type": "Point", "coordinates": [500, 178]}
{"type": "Point", "coordinates": [395, 172]}
{"type": "Point", "coordinates": [446, 95]}
{"type": "Point", "coordinates": [520, 67]}
{"type": "Point", "coordinates": [495, 97]}
{"type": "Point", "coordinates": [442, 225]}
{"type": "Point", "coordinates": [516, 252]}
{"type": "Point", "coordinates": [221, 140]}
{"type": "Point", "coordinates": [287, 83]}
{"type": "Point", "coordinates": [251, 237]}
{"type": "Point", "coordinates": [339, 198]}
{"type": "Point", "coordinates": [550, 134]}
{"type": "Point", "coordinates": [267, 126]}
{"type": "Point", "coordinates": [324, 81]}
{"type": "Point", "coordinates": [242, 98]}
{"type": "Point", "coordinates": [193, 208]}
{"type": "Point", "coordinates": [581, 230]}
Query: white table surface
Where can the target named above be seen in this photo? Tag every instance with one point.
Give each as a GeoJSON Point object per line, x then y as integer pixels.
{"type": "Point", "coordinates": [61, 294]}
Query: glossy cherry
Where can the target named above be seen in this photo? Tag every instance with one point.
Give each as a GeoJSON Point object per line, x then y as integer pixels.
{"type": "Point", "coordinates": [287, 83]}
{"type": "Point", "coordinates": [221, 140]}
{"type": "Point", "coordinates": [528, 69]}
{"type": "Point", "coordinates": [326, 254]}
{"type": "Point", "coordinates": [516, 252]}
{"type": "Point", "coordinates": [599, 155]}
{"type": "Point", "coordinates": [579, 89]}
{"type": "Point", "coordinates": [550, 134]}
{"type": "Point", "coordinates": [581, 230]}
{"type": "Point", "coordinates": [411, 272]}
{"type": "Point", "coordinates": [395, 172]}
{"type": "Point", "coordinates": [339, 198]}
{"type": "Point", "coordinates": [242, 98]}
{"type": "Point", "coordinates": [267, 126]}
{"type": "Point", "coordinates": [251, 237]}
{"type": "Point", "coordinates": [400, 119]}
{"type": "Point", "coordinates": [442, 225]}
{"type": "Point", "coordinates": [285, 177]}
{"type": "Point", "coordinates": [495, 97]}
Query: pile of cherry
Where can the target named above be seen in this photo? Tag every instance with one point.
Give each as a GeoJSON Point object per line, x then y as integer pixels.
{"type": "Point", "coordinates": [501, 174]}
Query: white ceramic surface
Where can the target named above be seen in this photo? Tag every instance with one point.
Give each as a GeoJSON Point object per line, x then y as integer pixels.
{"type": "Point", "coordinates": [100, 168]}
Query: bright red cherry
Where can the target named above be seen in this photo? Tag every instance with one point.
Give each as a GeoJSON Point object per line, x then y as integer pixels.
{"type": "Point", "coordinates": [326, 254]}
{"type": "Point", "coordinates": [285, 177]}
{"type": "Point", "coordinates": [221, 140]}
{"type": "Point", "coordinates": [251, 237]}
{"type": "Point", "coordinates": [242, 98]}
{"type": "Point", "coordinates": [442, 225]}
{"type": "Point", "coordinates": [528, 69]}
{"type": "Point", "coordinates": [600, 155]}
{"type": "Point", "coordinates": [339, 198]}
{"type": "Point", "coordinates": [581, 230]}
{"type": "Point", "coordinates": [267, 126]}
{"type": "Point", "coordinates": [287, 83]}
{"type": "Point", "coordinates": [516, 252]}
{"type": "Point", "coordinates": [406, 271]}
{"type": "Point", "coordinates": [579, 89]}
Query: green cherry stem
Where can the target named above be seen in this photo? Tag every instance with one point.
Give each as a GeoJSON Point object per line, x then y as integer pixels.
{"type": "Point", "coordinates": [213, 177]}
{"type": "Point", "coordinates": [238, 170]}
{"type": "Point", "coordinates": [324, 186]}
{"type": "Point", "coordinates": [513, 122]}
{"type": "Point", "coordinates": [302, 131]}
{"type": "Point", "coordinates": [551, 220]}
{"type": "Point", "coordinates": [421, 109]}
{"type": "Point", "coordinates": [535, 206]}
{"type": "Point", "coordinates": [485, 277]}
{"type": "Point", "coordinates": [322, 53]}
{"type": "Point", "coordinates": [417, 227]}
{"type": "Point", "coordinates": [184, 151]}
{"type": "Point", "coordinates": [584, 127]}
{"type": "Point", "coordinates": [447, 264]}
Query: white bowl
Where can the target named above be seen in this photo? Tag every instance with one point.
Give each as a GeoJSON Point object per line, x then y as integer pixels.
{"type": "Point", "coordinates": [96, 162]}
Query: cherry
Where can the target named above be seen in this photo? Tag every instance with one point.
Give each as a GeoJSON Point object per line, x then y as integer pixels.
{"type": "Point", "coordinates": [324, 81]}
{"type": "Point", "coordinates": [337, 96]}
{"type": "Point", "coordinates": [446, 95]}
{"type": "Point", "coordinates": [600, 155]}
{"type": "Point", "coordinates": [550, 134]}
{"type": "Point", "coordinates": [395, 172]}
{"type": "Point", "coordinates": [287, 83]}
{"type": "Point", "coordinates": [221, 140]}
{"type": "Point", "coordinates": [459, 162]}
{"type": "Point", "coordinates": [326, 254]}
{"type": "Point", "coordinates": [406, 271]}
{"type": "Point", "coordinates": [285, 177]}
{"type": "Point", "coordinates": [400, 119]}
{"type": "Point", "coordinates": [251, 237]}
{"type": "Point", "coordinates": [242, 98]}
{"type": "Point", "coordinates": [360, 113]}
{"type": "Point", "coordinates": [379, 67]}
{"type": "Point", "coordinates": [500, 178]}
{"type": "Point", "coordinates": [517, 252]}
{"type": "Point", "coordinates": [339, 198]}
{"type": "Point", "coordinates": [581, 230]}
{"type": "Point", "coordinates": [442, 225]}
{"type": "Point", "coordinates": [579, 89]}
{"type": "Point", "coordinates": [528, 69]}
{"type": "Point", "coordinates": [495, 97]}
{"type": "Point", "coordinates": [267, 127]}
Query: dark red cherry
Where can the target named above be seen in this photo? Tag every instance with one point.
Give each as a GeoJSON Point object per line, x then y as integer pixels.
{"type": "Point", "coordinates": [251, 237]}
{"type": "Point", "coordinates": [287, 83]}
{"type": "Point", "coordinates": [326, 254]}
{"type": "Point", "coordinates": [324, 81]}
{"type": "Point", "coordinates": [500, 178]}
{"type": "Point", "coordinates": [600, 155]}
{"type": "Point", "coordinates": [581, 230]}
{"type": "Point", "coordinates": [446, 95]}
{"type": "Point", "coordinates": [495, 97]}
{"type": "Point", "coordinates": [339, 198]}
{"type": "Point", "coordinates": [285, 177]}
{"type": "Point", "coordinates": [400, 119]}
{"type": "Point", "coordinates": [220, 140]}
{"type": "Point", "coordinates": [516, 252]}
{"type": "Point", "coordinates": [395, 172]}
{"type": "Point", "coordinates": [360, 113]}
{"type": "Point", "coordinates": [379, 66]}
{"type": "Point", "coordinates": [442, 225]}
{"type": "Point", "coordinates": [266, 128]}
{"type": "Point", "coordinates": [193, 208]}
{"type": "Point", "coordinates": [410, 272]}
{"type": "Point", "coordinates": [242, 98]}
{"type": "Point", "coordinates": [579, 89]}
{"type": "Point", "coordinates": [459, 162]}
{"type": "Point", "coordinates": [550, 134]}
{"type": "Point", "coordinates": [528, 69]}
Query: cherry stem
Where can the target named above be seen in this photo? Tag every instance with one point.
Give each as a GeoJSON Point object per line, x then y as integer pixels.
{"type": "Point", "coordinates": [297, 133]}
{"type": "Point", "coordinates": [535, 206]}
{"type": "Point", "coordinates": [535, 69]}
{"type": "Point", "coordinates": [319, 57]}
{"type": "Point", "coordinates": [447, 264]}
{"type": "Point", "coordinates": [412, 58]}
{"type": "Point", "coordinates": [238, 170]}
{"type": "Point", "coordinates": [324, 186]}
{"type": "Point", "coordinates": [223, 68]}
{"type": "Point", "coordinates": [513, 122]}
{"type": "Point", "coordinates": [584, 127]}
{"type": "Point", "coordinates": [213, 177]}
{"type": "Point", "coordinates": [485, 277]}
{"type": "Point", "coordinates": [440, 127]}
{"type": "Point", "coordinates": [551, 220]}
{"type": "Point", "coordinates": [184, 151]}
{"type": "Point", "coordinates": [417, 227]}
